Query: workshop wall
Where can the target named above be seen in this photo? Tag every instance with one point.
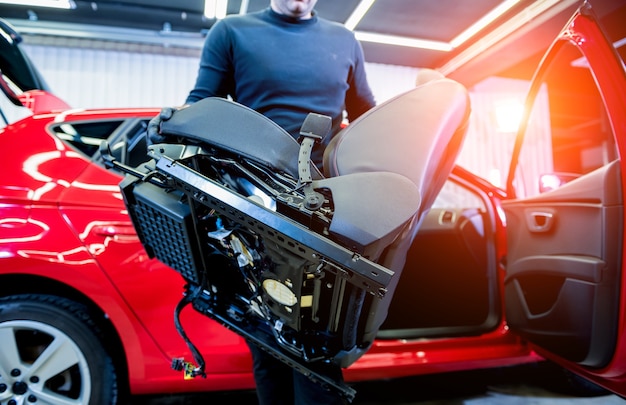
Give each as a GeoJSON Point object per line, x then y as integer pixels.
{"type": "Point", "coordinates": [90, 77]}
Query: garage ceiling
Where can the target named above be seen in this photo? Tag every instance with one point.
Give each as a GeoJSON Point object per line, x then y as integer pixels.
{"type": "Point", "coordinates": [508, 45]}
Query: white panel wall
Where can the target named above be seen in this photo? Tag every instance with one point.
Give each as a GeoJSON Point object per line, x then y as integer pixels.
{"type": "Point", "coordinates": [487, 149]}
{"type": "Point", "coordinates": [95, 78]}
{"type": "Point", "coordinates": [387, 81]}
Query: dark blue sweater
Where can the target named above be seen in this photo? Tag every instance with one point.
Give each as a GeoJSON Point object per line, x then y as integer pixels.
{"type": "Point", "coordinates": [285, 68]}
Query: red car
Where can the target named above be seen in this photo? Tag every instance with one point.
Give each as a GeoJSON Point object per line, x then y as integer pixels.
{"type": "Point", "coordinates": [494, 275]}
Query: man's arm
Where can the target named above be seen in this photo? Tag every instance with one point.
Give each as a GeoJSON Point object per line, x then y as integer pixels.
{"type": "Point", "coordinates": [215, 72]}
{"type": "Point", "coordinates": [359, 97]}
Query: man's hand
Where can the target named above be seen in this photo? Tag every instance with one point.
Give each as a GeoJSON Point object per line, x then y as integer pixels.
{"type": "Point", "coordinates": [154, 126]}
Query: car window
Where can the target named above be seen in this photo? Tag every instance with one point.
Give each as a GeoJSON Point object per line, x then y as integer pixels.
{"type": "Point", "coordinates": [568, 133]}
{"type": "Point", "coordinates": [86, 136]}
{"type": "Point", "coordinates": [128, 144]}
{"type": "Point", "coordinates": [127, 138]}
{"type": "Point", "coordinates": [136, 143]}
{"type": "Point", "coordinates": [454, 195]}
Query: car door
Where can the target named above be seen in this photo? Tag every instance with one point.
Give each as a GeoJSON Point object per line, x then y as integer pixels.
{"type": "Point", "coordinates": [564, 289]}
{"type": "Point", "coordinates": [24, 90]}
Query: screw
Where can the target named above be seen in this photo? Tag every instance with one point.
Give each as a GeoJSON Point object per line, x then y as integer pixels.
{"type": "Point", "coordinates": [15, 372]}
{"type": "Point", "coordinates": [3, 387]}
{"type": "Point", "coordinates": [34, 379]}
{"type": "Point", "coordinates": [32, 398]}
{"type": "Point", "coordinates": [12, 402]}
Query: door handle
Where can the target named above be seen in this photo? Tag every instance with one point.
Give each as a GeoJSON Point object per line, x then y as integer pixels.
{"type": "Point", "coordinates": [125, 231]}
{"type": "Point", "coordinates": [540, 221]}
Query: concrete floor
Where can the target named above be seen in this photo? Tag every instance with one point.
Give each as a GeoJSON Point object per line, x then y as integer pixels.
{"type": "Point", "coordinates": [526, 385]}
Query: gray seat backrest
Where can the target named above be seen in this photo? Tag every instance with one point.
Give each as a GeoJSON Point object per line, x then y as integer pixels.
{"type": "Point", "coordinates": [417, 134]}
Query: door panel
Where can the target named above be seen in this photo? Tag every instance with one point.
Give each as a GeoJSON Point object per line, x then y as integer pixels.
{"type": "Point", "coordinates": [560, 288]}
{"type": "Point", "coordinates": [564, 244]}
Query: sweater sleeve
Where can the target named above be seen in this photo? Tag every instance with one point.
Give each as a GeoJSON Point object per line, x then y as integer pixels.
{"type": "Point", "coordinates": [359, 97]}
{"type": "Point", "coordinates": [215, 77]}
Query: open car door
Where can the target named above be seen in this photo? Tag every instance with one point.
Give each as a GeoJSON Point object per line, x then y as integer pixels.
{"type": "Point", "coordinates": [564, 285]}
{"type": "Point", "coordinates": [23, 87]}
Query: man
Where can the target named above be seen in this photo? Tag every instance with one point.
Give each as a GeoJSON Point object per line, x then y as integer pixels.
{"type": "Point", "coordinates": [285, 62]}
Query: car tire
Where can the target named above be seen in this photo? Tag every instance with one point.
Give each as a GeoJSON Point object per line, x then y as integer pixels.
{"type": "Point", "coordinates": [52, 353]}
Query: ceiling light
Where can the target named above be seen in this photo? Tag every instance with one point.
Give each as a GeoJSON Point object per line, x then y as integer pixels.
{"type": "Point", "coordinates": [483, 22]}
{"type": "Point", "coordinates": [215, 8]}
{"type": "Point", "coordinates": [358, 13]}
{"type": "Point", "coordinates": [67, 4]}
{"type": "Point", "coordinates": [363, 7]}
{"type": "Point", "coordinates": [402, 41]}
{"type": "Point", "coordinates": [515, 23]}
{"type": "Point", "coordinates": [519, 25]}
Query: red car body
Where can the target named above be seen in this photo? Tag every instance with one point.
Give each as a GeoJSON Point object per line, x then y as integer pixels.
{"type": "Point", "coordinates": [64, 232]}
